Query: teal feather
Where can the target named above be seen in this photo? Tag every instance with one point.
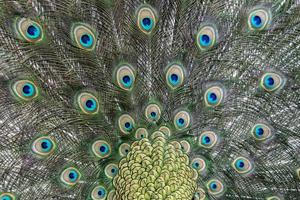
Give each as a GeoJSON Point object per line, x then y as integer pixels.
{"type": "Point", "coordinates": [151, 99]}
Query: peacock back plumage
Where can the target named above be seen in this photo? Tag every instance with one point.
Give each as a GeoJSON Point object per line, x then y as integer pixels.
{"type": "Point", "coordinates": [149, 100]}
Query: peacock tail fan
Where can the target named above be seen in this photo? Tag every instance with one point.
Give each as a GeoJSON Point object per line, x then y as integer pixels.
{"type": "Point", "coordinates": [149, 100]}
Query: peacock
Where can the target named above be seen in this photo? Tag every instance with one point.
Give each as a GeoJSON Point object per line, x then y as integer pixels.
{"type": "Point", "coordinates": [149, 99]}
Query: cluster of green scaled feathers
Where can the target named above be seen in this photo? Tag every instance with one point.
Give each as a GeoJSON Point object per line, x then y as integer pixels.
{"type": "Point", "coordinates": [149, 100]}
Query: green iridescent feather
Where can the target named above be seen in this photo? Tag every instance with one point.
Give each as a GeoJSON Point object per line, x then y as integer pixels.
{"type": "Point", "coordinates": [153, 100]}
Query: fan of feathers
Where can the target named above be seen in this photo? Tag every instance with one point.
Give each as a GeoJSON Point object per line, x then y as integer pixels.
{"type": "Point", "coordinates": [149, 99]}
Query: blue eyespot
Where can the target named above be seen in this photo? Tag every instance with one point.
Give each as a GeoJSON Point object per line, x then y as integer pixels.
{"type": "Point", "coordinates": [70, 176]}
{"type": "Point", "coordinates": [126, 123]}
{"type": "Point", "coordinates": [259, 19]}
{"type": "Point", "coordinates": [205, 40]}
{"type": "Point", "coordinates": [28, 90]}
{"type": "Point", "coordinates": [73, 175]}
{"type": "Point", "coordinates": [146, 19]}
{"type": "Point", "coordinates": [182, 120]}
{"type": "Point", "coordinates": [175, 76]}
{"type": "Point", "coordinates": [215, 187]}
{"type": "Point", "coordinates": [98, 193]}
{"type": "Point", "coordinates": [153, 112]}
{"type": "Point", "coordinates": [7, 196]}
{"type": "Point", "coordinates": [271, 82]}
{"type": "Point", "coordinates": [125, 77]}
{"type": "Point", "coordinates": [101, 192]}
{"type": "Point", "coordinates": [86, 40]}
{"type": "Point", "coordinates": [206, 37]}
{"type": "Point", "coordinates": [25, 90]}
{"type": "Point", "coordinates": [208, 139]}
{"type": "Point", "coordinates": [213, 96]}
{"type": "Point", "coordinates": [28, 30]}
{"type": "Point", "coordinates": [111, 170]}
{"type": "Point", "coordinates": [46, 145]}
{"type": "Point", "coordinates": [198, 164]}
{"type": "Point", "coordinates": [261, 132]}
{"type": "Point", "coordinates": [256, 21]}
{"type": "Point", "coordinates": [128, 126]}
{"type": "Point", "coordinates": [91, 105]}
{"type": "Point", "coordinates": [242, 165]}
{"type": "Point", "coordinates": [104, 149]}
{"type": "Point", "coordinates": [141, 133]}
{"type": "Point", "coordinates": [83, 35]}
{"type": "Point", "coordinates": [127, 81]}
{"type": "Point", "coordinates": [88, 103]}
{"type": "Point", "coordinates": [33, 31]}
{"type": "Point", "coordinates": [43, 146]}
{"type": "Point", "coordinates": [147, 23]}
{"type": "Point", "coordinates": [174, 79]}
{"type": "Point", "coordinates": [101, 149]}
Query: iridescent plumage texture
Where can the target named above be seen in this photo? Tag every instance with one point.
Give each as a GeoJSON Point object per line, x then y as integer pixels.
{"type": "Point", "coordinates": [149, 100]}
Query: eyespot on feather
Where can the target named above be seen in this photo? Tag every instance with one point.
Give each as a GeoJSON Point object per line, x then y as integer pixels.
{"type": "Point", "coordinates": [198, 164]}
{"type": "Point", "coordinates": [146, 19]}
{"type": "Point", "coordinates": [43, 146]}
{"type": "Point", "coordinates": [261, 132]}
{"type": "Point", "coordinates": [207, 37]}
{"type": "Point", "coordinates": [70, 176]}
{"type": "Point", "coordinates": [141, 133]}
{"type": "Point", "coordinates": [7, 196]}
{"type": "Point", "coordinates": [175, 76]}
{"type": "Point", "coordinates": [83, 36]}
{"type": "Point", "coordinates": [242, 165]}
{"type": "Point", "coordinates": [99, 193]}
{"type": "Point", "coordinates": [259, 19]}
{"type": "Point", "coordinates": [215, 187]}
{"type": "Point", "coordinates": [272, 81]}
{"type": "Point", "coordinates": [125, 76]}
{"type": "Point", "coordinates": [199, 194]}
{"type": "Point", "coordinates": [25, 90]}
{"type": "Point", "coordinates": [124, 149]}
{"type": "Point", "coordinates": [214, 96]}
{"type": "Point", "coordinates": [126, 123]}
{"type": "Point", "coordinates": [101, 149]}
{"type": "Point", "coordinates": [208, 139]}
{"type": "Point", "coordinates": [88, 103]}
{"type": "Point", "coordinates": [182, 120]}
{"type": "Point", "coordinates": [29, 30]}
{"type": "Point", "coordinates": [152, 112]}
{"type": "Point", "coordinates": [111, 170]}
